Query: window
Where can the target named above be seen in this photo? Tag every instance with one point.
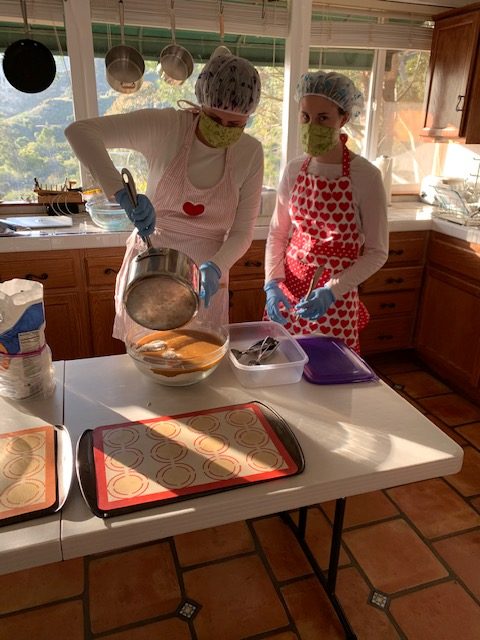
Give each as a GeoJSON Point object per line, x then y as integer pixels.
{"type": "Point", "coordinates": [397, 119]}
{"type": "Point", "coordinates": [32, 143]}
{"type": "Point", "coordinates": [400, 114]}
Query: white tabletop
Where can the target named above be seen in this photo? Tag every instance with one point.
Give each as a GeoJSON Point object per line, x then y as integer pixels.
{"type": "Point", "coordinates": [355, 438]}
{"type": "Point", "coordinates": [37, 541]}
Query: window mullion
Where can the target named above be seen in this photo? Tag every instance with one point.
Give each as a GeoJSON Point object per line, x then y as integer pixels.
{"type": "Point", "coordinates": [375, 100]}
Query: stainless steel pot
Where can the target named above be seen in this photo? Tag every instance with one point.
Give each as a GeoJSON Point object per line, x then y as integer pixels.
{"type": "Point", "coordinates": [163, 284]}
{"type": "Point", "coordinates": [176, 63]}
{"type": "Point", "coordinates": [124, 65]}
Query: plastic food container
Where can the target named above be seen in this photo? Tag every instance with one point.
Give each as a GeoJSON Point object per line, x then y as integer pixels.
{"type": "Point", "coordinates": [108, 215]}
{"type": "Point", "coordinates": [283, 367]}
{"type": "Point", "coordinates": [183, 362]}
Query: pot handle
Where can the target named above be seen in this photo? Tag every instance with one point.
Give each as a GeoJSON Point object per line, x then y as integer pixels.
{"type": "Point", "coordinates": [23, 6]}
{"type": "Point", "coordinates": [129, 182]}
{"type": "Point", "coordinates": [122, 21]}
{"type": "Point", "coordinates": [172, 20]}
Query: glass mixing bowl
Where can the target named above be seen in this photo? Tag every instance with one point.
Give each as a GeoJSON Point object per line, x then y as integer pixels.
{"type": "Point", "coordinates": [179, 357]}
{"type": "Point", "coordinates": [108, 215]}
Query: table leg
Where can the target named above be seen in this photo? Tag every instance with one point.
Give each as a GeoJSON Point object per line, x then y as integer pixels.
{"type": "Point", "coordinates": [328, 582]}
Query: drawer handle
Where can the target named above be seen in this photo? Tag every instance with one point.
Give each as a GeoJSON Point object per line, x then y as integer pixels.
{"type": "Point", "coordinates": [32, 276]}
{"type": "Point", "coordinates": [253, 263]}
{"type": "Point", "coordinates": [396, 252]}
{"type": "Point", "coordinates": [385, 337]}
{"type": "Point", "coordinates": [460, 101]}
{"type": "Point", "coordinates": [388, 305]}
{"type": "Point", "coordinates": [109, 271]}
{"type": "Point", "coordinates": [394, 280]}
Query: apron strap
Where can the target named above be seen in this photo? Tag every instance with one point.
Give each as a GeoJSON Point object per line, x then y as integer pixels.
{"type": "Point", "coordinates": [345, 156]}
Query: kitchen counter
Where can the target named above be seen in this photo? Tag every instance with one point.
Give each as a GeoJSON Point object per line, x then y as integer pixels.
{"type": "Point", "coordinates": [403, 216]}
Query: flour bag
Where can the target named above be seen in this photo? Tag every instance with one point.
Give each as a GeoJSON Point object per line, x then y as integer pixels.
{"type": "Point", "coordinates": [25, 358]}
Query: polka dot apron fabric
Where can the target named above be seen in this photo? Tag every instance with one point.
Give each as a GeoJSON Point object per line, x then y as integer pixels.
{"type": "Point", "coordinates": [325, 234]}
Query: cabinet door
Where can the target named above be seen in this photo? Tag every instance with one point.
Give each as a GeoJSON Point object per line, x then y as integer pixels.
{"type": "Point", "coordinates": [448, 327]}
{"type": "Point", "coordinates": [247, 300]}
{"type": "Point", "coordinates": [451, 63]}
{"type": "Point", "coordinates": [102, 314]}
{"type": "Point", "coordinates": [66, 325]}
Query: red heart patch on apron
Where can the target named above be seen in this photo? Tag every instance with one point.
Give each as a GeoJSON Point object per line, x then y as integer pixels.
{"type": "Point", "coordinates": [192, 209]}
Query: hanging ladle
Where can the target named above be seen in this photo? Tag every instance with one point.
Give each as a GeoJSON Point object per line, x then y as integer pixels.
{"type": "Point", "coordinates": [163, 284]}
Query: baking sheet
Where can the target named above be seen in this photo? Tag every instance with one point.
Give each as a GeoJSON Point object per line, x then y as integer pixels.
{"type": "Point", "coordinates": [36, 468]}
{"type": "Point", "coordinates": [137, 465]}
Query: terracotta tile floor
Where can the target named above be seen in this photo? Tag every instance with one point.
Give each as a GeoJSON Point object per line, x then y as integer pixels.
{"type": "Point", "coordinates": [414, 549]}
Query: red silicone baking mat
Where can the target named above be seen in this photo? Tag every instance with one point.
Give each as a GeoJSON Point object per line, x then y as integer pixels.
{"type": "Point", "coordinates": [174, 456]}
{"type": "Point", "coordinates": [27, 471]}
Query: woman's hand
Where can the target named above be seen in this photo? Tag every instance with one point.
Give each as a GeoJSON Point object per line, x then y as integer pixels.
{"type": "Point", "coordinates": [316, 304]}
{"type": "Point", "coordinates": [275, 297]}
{"type": "Point", "coordinates": [142, 216]}
{"type": "Point", "coordinates": [210, 276]}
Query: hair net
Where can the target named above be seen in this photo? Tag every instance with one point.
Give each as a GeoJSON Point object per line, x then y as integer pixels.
{"type": "Point", "coordinates": [335, 87]}
{"type": "Point", "coordinates": [229, 83]}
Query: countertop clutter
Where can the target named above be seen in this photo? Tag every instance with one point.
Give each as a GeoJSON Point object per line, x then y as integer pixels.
{"type": "Point", "coordinates": [402, 216]}
{"type": "Point", "coordinates": [355, 438]}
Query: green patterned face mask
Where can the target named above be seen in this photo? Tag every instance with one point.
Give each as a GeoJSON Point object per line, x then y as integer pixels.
{"type": "Point", "coordinates": [216, 134]}
{"type": "Point", "coordinates": [318, 139]}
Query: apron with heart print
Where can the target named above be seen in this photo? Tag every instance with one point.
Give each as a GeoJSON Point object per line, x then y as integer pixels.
{"type": "Point", "coordinates": [325, 233]}
{"type": "Point", "coordinates": [188, 219]}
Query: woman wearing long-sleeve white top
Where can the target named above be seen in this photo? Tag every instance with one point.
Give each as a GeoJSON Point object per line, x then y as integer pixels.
{"type": "Point", "coordinates": [204, 177]}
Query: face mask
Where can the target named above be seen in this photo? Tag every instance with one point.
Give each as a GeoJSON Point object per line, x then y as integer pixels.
{"type": "Point", "coordinates": [318, 139]}
{"type": "Point", "coordinates": [217, 135]}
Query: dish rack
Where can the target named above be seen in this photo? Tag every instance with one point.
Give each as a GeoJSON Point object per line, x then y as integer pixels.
{"type": "Point", "coordinates": [454, 207]}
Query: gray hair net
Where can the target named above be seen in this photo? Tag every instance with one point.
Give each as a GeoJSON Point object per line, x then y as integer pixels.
{"type": "Point", "coordinates": [229, 83]}
{"type": "Point", "coordinates": [335, 87]}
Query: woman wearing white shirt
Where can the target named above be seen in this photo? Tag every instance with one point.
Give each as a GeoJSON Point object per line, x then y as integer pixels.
{"type": "Point", "coordinates": [331, 213]}
{"type": "Point", "coordinates": [204, 177]}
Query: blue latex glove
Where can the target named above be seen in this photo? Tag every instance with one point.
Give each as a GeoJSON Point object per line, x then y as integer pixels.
{"type": "Point", "coordinates": [142, 216]}
{"type": "Point", "coordinates": [316, 305]}
{"type": "Point", "coordinates": [210, 276]}
{"type": "Point", "coordinates": [275, 296]}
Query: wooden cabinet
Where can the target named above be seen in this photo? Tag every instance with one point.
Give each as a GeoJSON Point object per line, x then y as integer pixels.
{"type": "Point", "coordinates": [66, 312]}
{"type": "Point", "coordinates": [453, 87]}
{"type": "Point", "coordinates": [448, 331]}
{"type": "Point", "coordinates": [247, 298]}
{"type": "Point", "coordinates": [391, 294]}
{"type": "Point", "coordinates": [78, 297]}
{"type": "Point", "coordinates": [101, 268]}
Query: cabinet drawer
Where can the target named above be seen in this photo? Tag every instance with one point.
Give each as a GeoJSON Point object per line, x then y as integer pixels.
{"type": "Point", "coordinates": [387, 334]}
{"type": "Point", "coordinates": [252, 263]}
{"type": "Point", "coordinates": [102, 270]}
{"type": "Point", "coordinates": [395, 279]}
{"type": "Point", "coordinates": [407, 246]}
{"type": "Point", "coordinates": [53, 271]}
{"type": "Point", "coordinates": [384, 304]}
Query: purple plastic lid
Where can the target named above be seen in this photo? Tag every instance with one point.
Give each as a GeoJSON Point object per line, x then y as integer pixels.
{"type": "Point", "coordinates": [330, 361]}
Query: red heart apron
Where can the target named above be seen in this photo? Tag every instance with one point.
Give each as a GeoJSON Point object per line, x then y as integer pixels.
{"type": "Point", "coordinates": [325, 233]}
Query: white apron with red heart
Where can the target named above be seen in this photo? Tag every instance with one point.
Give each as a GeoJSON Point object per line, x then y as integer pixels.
{"type": "Point", "coordinates": [188, 219]}
{"type": "Point", "coordinates": [325, 233]}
